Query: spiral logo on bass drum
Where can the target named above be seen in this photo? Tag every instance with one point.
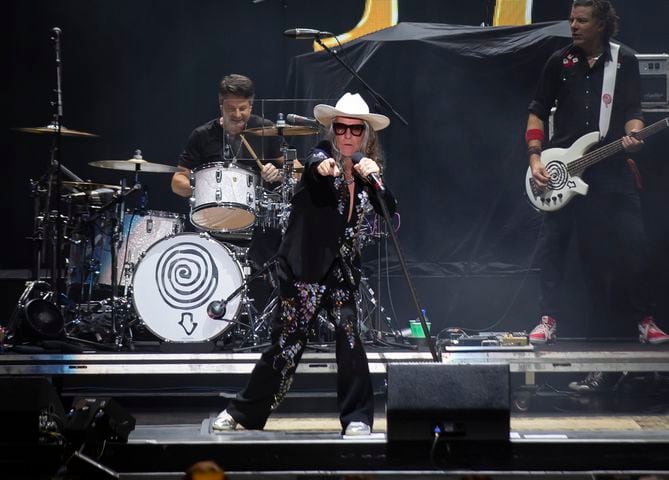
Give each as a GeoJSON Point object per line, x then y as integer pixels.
{"type": "Point", "coordinates": [186, 276]}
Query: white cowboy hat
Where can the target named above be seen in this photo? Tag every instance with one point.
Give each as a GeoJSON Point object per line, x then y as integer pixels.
{"type": "Point", "coordinates": [352, 106]}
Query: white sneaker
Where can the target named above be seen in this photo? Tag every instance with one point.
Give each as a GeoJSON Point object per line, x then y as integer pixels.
{"type": "Point", "coordinates": [357, 429]}
{"type": "Point", "coordinates": [224, 422]}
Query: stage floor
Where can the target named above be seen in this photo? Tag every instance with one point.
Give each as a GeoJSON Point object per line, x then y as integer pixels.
{"type": "Point", "coordinates": [554, 431]}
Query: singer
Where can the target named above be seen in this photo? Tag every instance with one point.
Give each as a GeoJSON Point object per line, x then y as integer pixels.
{"type": "Point", "coordinates": [320, 269]}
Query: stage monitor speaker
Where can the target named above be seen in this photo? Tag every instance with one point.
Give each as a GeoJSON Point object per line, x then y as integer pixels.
{"type": "Point", "coordinates": [35, 316]}
{"type": "Point", "coordinates": [31, 411]}
{"type": "Point", "coordinates": [459, 402]}
{"type": "Point", "coordinates": [98, 419]}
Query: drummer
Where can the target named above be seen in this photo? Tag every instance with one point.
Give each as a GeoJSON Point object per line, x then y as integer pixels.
{"type": "Point", "coordinates": [220, 139]}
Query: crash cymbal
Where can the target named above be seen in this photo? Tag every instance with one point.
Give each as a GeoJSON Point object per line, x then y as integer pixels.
{"type": "Point", "coordinates": [134, 164]}
{"type": "Point", "coordinates": [89, 185]}
{"type": "Point", "coordinates": [287, 131]}
{"type": "Point", "coordinates": [52, 129]}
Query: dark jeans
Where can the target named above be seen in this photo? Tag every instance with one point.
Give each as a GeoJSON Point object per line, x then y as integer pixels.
{"type": "Point", "coordinates": [273, 374]}
{"type": "Point", "coordinates": [612, 246]}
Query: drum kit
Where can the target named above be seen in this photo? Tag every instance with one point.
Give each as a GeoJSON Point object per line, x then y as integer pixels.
{"type": "Point", "coordinates": [130, 272]}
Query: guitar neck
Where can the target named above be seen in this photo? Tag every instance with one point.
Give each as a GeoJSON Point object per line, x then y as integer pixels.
{"type": "Point", "coordinates": [612, 148]}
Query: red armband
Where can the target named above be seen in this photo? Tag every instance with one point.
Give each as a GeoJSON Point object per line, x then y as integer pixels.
{"type": "Point", "coordinates": [534, 134]}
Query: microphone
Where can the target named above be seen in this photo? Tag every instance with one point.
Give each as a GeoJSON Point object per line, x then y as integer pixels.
{"type": "Point", "coordinates": [306, 33]}
{"type": "Point", "coordinates": [372, 178]}
{"type": "Point", "coordinates": [216, 309]}
{"type": "Point", "coordinates": [294, 119]}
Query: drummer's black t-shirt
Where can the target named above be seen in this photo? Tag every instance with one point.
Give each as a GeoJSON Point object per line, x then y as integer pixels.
{"type": "Point", "coordinates": [210, 143]}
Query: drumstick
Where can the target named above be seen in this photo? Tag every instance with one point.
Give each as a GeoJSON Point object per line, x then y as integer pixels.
{"type": "Point", "coordinates": [251, 151]}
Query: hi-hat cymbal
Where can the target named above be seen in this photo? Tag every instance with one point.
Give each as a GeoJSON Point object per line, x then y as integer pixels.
{"type": "Point", "coordinates": [89, 185]}
{"type": "Point", "coordinates": [287, 131]}
{"type": "Point", "coordinates": [52, 129]}
{"type": "Point", "coordinates": [134, 164]}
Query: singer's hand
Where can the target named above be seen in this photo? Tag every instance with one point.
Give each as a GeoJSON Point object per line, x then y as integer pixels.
{"type": "Point", "coordinates": [270, 173]}
{"type": "Point", "coordinates": [366, 166]}
{"type": "Point", "coordinates": [328, 168]}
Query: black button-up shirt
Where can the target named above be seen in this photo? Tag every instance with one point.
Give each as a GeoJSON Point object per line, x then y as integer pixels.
{"type": "Point", "coordinates": [569, 83]}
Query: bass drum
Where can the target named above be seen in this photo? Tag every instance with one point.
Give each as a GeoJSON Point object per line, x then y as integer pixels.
{"type": "Point", "coordinates": [177, 278]}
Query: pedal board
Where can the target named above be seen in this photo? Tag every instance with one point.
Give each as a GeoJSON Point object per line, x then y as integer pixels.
{"type": "Point", "coordinates": [458, 338]}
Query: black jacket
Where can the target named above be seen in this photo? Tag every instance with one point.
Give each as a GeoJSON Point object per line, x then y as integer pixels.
{"type": "Point", "coordinates": [316, 227]}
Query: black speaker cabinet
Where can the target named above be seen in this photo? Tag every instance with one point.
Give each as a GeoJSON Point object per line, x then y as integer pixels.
{"type": "Point", "coordinates": [460, 402]}
{"type": "Point", "coordinates": [98, 419]}
{"type": "Point", "coordinates": [31, 410]}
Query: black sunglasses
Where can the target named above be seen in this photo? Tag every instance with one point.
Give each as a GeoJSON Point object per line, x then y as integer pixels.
{"type": "Point", "coordinates": [356, 130]}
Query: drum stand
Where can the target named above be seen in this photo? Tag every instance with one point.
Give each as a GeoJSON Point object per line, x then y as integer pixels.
{"type": "Point", "coordinates": [257, 321]}
{"type": "Point", "coordinates": [120, 306]}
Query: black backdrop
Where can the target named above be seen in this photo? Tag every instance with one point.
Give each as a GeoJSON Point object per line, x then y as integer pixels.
{"type": "Point", "coordinates": [143, 74]}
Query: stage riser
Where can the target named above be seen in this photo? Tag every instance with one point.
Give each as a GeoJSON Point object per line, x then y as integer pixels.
{"type": "Point", "coordinates": [335, 457]}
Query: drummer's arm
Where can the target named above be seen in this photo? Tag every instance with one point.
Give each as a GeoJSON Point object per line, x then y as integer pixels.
{"type": "Point", "coordinates": [271, 171]}
{"type": "Point", "coordinates": [181, 182]}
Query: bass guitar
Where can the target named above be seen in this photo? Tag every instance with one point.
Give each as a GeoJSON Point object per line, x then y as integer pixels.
{"type": "Point", "coordinates": [565, 166]}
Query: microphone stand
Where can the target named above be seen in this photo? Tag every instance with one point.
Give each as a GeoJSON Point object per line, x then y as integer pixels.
{"type": "Point", "coordinates": [224, 301]}
{"type": "Point", "coordinates": [379, 99]}
{"type": "Point", "coordinates": [405, 271]}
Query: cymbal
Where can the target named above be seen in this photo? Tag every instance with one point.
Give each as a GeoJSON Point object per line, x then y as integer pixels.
{"type": "Point", "coordinates": [287, 131]}
{"type": "Point", "coordinates": [89, 185]}
{"type": "Point", "coordinates": [52, 129]}
{"type": "Point", "coordinates": [133, 164]}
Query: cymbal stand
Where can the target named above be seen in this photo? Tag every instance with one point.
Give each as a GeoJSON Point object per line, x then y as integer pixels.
{"type": "Point", "coordinates": [289, 157]}
{"type": "Point", "coordinates": [119, 305]}
{"type": "Point", "coordinates": [56, 244]}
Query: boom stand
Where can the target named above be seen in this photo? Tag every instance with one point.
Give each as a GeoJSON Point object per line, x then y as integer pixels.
{"type": "Point", "coordinates": [414, 296]}
{"type": "Point", "coordinates": [377, 97]}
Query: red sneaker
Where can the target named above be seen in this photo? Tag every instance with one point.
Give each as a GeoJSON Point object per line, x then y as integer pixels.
{"type": "Point", "coordinates": [651, 333]}
{"type": "Point", "coordinates": [545, 332]}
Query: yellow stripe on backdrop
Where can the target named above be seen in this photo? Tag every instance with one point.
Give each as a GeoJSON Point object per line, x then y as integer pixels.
{"type": "Point", "coordinates": [378, 14]}
{"type": "Point", "coordinates": [512, 12]}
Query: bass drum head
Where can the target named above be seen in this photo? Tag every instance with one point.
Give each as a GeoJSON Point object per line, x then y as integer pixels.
{"type": "Point", "coordinates": [177, 278]}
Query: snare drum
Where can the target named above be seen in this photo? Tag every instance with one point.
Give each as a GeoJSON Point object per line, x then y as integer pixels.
{"type": "Point", "coordinates": [177, 278]}
{"type": "Point", "coordinates": [223, 198]}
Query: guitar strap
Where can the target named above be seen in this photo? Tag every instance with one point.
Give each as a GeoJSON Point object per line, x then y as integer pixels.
{"type": "Point", "coordinates": [608, 87]}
